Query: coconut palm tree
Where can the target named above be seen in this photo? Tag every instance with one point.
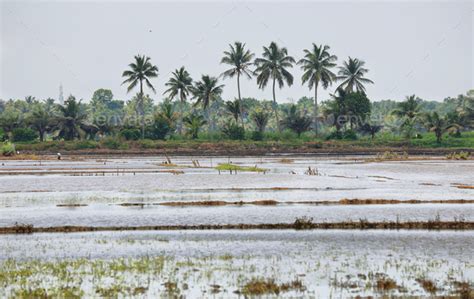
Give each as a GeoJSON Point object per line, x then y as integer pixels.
{"type": "Point", "coordinates": [72, 120]}
{"type": "Point", "coordinates": [179, 84]}
{"type": "Point", "coordinates": [240, 59]}
{"type": "Point", "coordinates": [233, 108]}
{"type": "Point", "coordinates": [260, 119]}
{"type": "Point", "coordinates": [206, 91]}
{"type": "Point", "coordinates": [409, 112]}
{"type": "Point", "coordinates": [317, 64]}
{"type": "Point", "coordinates": [352, 75]}
{"type": "Point", "coordinates": [141, 70]}
{"type": "Point", "coordinates": [194, 122]}
{"type": "Point", "coordinates": [41, 120]}
{"type": "Point", "coordinates": [273, 65]}
{"type": "Point", "coordinates": [297, 122]}
{"type": "Point", "coordinates": [439, 125]}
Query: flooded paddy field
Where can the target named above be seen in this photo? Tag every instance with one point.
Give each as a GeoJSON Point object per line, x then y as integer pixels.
{"type": "Point", "coordinates": [317, 264]}
{"type": "Point", "coordinates": [180, 191]}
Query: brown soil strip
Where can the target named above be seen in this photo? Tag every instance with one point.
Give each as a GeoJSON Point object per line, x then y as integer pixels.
{"type": "Point", "coordinates": [361, 225]}
{"type": "Point", "coordinates": [87, 172]}
{"type": "Point", "coordinates": [381, 177]}
{"type": "Point", "coordinates": [72, 205]}
{"type": "Point", "coordinates": [220, 203]}
{"type": "Point", "coordinates": [270, 202]}
{"type": "Point", "coordinates": [464, 187]}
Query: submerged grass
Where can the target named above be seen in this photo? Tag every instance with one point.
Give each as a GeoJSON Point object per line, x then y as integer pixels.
{"type": "Point", "coordinates": [234, 168]}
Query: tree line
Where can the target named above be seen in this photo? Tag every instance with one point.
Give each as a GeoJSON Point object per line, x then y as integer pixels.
{"type": "Point", "coordinates": [191, 105]}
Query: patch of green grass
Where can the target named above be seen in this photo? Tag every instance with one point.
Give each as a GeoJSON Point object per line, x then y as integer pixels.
{"type": "Point", "coordinates": [233, 167]}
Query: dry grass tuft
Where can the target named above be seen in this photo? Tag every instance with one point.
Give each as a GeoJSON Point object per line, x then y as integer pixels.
{"type": "Point", "coordinates": [259, 286]}
{"type": "Point", "coordinates": [428, 285]}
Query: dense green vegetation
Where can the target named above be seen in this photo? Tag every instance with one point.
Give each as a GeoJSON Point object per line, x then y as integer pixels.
{"type": "Point", "coordinates": [195, 110]}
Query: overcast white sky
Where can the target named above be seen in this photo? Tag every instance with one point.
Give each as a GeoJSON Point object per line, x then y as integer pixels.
{"type": "Point", "coordinates": [422, 47]}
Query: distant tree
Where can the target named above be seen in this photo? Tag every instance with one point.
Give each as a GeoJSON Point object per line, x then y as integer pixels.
{"type": "Point", "coordinates": [317, 64]}
{"type": "Point", "coordinates": [409, 112]}
{"type": "Point", "coordinates": [241, 60]}
{"type": "Point", "coordinates": [260, 119]}
{"type": "Point", "coordinates": [180, 84]}
{"type": "Point", "coordinates": [352, 73]}
{"type": "Point", "coordinates": [370, 129]}
{"type": "Point", "coordinates": [274, 65]}
{"type": "Point", "coordinates": [10, 119]}
{"type": "Point", "coordinates": [296, 122]}
{"type": "Point", "coordinates": [167, 114]}
{"type": "Point", "coordinates": [335, 110]}
{"type": "Point", "coordinates": [194, 123]}
{"type": "Point", "coordinates": [357, 107]}
{"type": "Point", "coordinates": [102, 98]}
{"type": "Point", "coordinates": [438, 125]}
{"type": "Point", "coordinates": [233, 108]}
{"type": "Point", "coordinates": [141, 70]}
{"type": "Point", "coordinates": [72, 120]}
{"type": "Point", "coordinates": [206, 91]}
{"type": "Point", "coordinates": [41, 120]}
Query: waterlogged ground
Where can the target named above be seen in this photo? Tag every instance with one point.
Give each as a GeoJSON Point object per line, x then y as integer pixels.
{"type": "Point", "coordinates": [100, 186]}
{"type": "Point", "coordinates": [315, 263]}
{"type": "Point", "coordinates": [200, 263]}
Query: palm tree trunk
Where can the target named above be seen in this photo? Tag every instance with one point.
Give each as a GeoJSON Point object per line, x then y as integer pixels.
{"type": "Point", "coordinates": [240, 101]}
{"type": "Point", "coordinates": [181, 111]}
{"type": "Point", "coordinates": [315, 116]}
{"type": "Point", "coordinates": [142, 110]}
{"type": "Point", "coordinates": [41, 135]}
{"type": "Point", "coordinates": [275, 107]}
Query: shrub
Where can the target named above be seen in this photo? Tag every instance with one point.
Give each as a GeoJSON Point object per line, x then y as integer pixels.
{"type": "Point", "coordinates": [146, 143]}
{"type": "Point", "coordinates": [257, 136]}
{"type": "Point", "coordinates": [111, 143]}
{"type": "Point", "coordinates": [130, 134]}
{"type": "Point", "coordinates": [349, 135]}
{"type": "Point", "coordinates": [23, 135]}
{"type": "Point", "coordinates": [233, 131]}
{"type": "Point", "coordinates": [159, 130]}
{"type": "Point", "coordinates": [2, 135]}
{"type": "Point", "coordinates": [85, 144]}
{"type": "Point", "coordinates": [7, 149]}
{"type": "Point", "coordinates": [346, 135]}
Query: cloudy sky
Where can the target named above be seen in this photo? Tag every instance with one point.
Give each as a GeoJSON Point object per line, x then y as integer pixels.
{"type": "Point", "coordinates": [423, 48]}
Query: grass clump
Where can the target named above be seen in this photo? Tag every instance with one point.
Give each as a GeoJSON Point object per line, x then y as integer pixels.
{"type": "Point", "coordinates": [303, 223]}
{"type": "Point", "coordinates": [7, 149]}
{"type": "Point", "coordinates": [428, 285]}
{"type": "Point", "coordinates": [384, 284]}
{"type": "Point", "coordinates": [260, 286]}
{"type": "Point", "coordinates": [234, 168]}
{"type": "Point", "coordinates": [390, 156]}
{"type": "Point", "coordinates": [458, 156]}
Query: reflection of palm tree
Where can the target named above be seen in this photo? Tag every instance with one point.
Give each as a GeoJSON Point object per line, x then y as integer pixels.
{"type": "Point", "coordinates": [240, 59]}
{"type": "Point", "coordinates": [316, 65]}
{"type": "Point", "coordinates": [180, 84]}
{"type": "Point", "coordinates": [140, 70]}
{"type": "Point", "coordinates": [274, 65]}
{"type": "Point", "coordinates": [352, 75]}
